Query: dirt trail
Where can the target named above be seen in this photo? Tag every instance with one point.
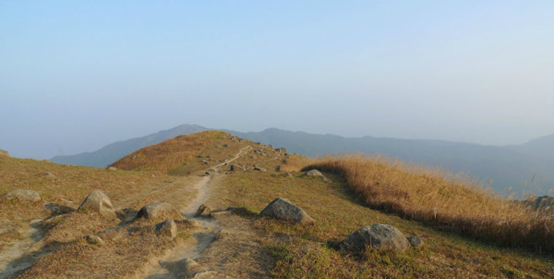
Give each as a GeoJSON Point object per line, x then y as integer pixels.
{"type": "Point", "coordinates": [173, 264]}
{"type": "Point", "coordinates": [22, 254]}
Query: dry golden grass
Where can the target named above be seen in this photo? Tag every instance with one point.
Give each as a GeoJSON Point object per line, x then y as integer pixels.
{"type": "Point", "coordinates": [310, 251]}
{"type": "Point", "coordinates": [170, 154]}
{"type": "Point", "coordinates": [296, 163]}
{"type": "Point", "coordinates": [444, 201]}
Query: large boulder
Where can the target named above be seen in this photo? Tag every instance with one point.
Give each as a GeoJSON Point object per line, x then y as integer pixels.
{"type": "Point", "coordinates": [283, 209]}
{"type": "Point", "coordinates": [158, 210]}
{"type": "Point", "coordinates": [378, 236]}
{"type": "Point", "coordinates": [23, 195]}
{"type": "Point", "coordinates": [99, 202]}
{"type": "Point", "coordinates": [4, 153]}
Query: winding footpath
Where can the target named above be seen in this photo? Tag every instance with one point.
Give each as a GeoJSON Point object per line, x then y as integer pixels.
{"type": "Point", "coordinates": [174, 262]}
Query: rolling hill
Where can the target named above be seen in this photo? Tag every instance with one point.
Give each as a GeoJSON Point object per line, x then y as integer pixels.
{"type": "Point", "coordinates": [522, 169]}
{"type": "Point", "coordinates": [214, 186]}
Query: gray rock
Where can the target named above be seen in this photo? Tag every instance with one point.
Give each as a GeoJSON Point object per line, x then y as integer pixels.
{"type": "Point", "coordinates": [378, 236]}
{"type": "Point", "coordinates": [157, 210]}
{"type": "Point", "coordinates": [259, 169]}
{"type": "Point", "coordinates": [203, 210]}
{"type": "Point", "coordinates": [95, 240]}
{"type": "Point", "coordinates": [110, 168]}
{"type": "Point", "coordinates": [283, 209]}
{"type": "Point", "coordinates": [315, 173]}
{"type": "Point", "coordinates": [99, 202]}
{"type": "Point", "coordinates": [167, 228]}
{"type": "Point", "coordinates": [23, 195]}
{"type": "Point", "coordinates": [415, 241]}
{"type": "Point", "coordinates": [4, 153]}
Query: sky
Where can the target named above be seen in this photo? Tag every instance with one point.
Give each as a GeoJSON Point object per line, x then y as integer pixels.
{"type": "Point", "coordinates": [78, 75]}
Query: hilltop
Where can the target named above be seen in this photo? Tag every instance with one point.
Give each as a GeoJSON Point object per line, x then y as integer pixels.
{"type": "Point", "coordinates": [217, 184]}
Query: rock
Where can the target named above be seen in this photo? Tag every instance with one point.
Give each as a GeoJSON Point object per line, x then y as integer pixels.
{"type": "Point", "coordinates": [203, 210]}
{"type": "Point", "coordinates": [167, 228]}
{"type": "Point", "coordinates": [283, 209]}
{"type": "Point", "coordinates": [378, 236]}
{"type": "Point", "coordinates": [158, 209]}
{"type": "Point", "coordinates": [4, 153]}
{"type": "Point", "coordinates": [23, 195]}
{"type": "Point", "coordinates": [99, 202]}
{"type": "Point", "coordinates": [415, 241]}
{"type": "Point", "coordinates": [288, 174]}
{"type": "Point", "coordinates": [110, 168]}
{"type": "Point", "coordinates": [259, 169]}
{"type": "Point", "coordinates": [207, 173]}
{"type": "Point", "coordinates": [315, 173]}
{"type": "Point", "coordinates": [95, 240]}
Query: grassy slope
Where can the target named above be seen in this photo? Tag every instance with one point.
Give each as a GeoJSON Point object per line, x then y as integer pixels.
{"type": "Point", "coordinates": [308, 252]}
{"type": "Point", "coordinates": [297, 251]}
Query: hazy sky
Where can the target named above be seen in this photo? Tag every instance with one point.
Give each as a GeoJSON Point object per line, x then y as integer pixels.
{"type": "Point", "coordinates": [77, 75]}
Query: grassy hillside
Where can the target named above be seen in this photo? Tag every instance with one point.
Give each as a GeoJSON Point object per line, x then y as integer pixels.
{"type": "Point", "coordinates": [468, 232]}
{"type": "Point", "coordinates": [311, 251]}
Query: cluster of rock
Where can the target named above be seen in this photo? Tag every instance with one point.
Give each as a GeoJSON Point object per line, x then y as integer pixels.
{"type": "Point", "coordinates": [377, 236]}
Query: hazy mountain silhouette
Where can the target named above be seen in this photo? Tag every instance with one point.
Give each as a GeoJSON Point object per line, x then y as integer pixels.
{"type": "Point", "coordinates": [113, 152]}
{"type": "Point", "coordinates": [524, 168]}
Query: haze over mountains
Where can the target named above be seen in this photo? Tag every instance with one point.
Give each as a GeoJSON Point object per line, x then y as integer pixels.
{"type": "Point", "coordinates": [523, 168]}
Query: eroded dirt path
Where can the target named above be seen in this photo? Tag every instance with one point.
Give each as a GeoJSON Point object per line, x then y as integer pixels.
{"type": "Point", "coordinates": [176, 262]}
{"type": "Point", "coordinates": [22, 254]}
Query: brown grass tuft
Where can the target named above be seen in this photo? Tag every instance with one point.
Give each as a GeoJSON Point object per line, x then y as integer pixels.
{"type": "Point", "coordinates": [448, 202]}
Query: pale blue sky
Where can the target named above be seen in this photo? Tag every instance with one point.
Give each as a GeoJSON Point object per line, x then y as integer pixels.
{"type": "Point", "coordinates": [77, 75]}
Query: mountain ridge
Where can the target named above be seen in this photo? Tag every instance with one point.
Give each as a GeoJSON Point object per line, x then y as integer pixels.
{"type": "Point", "coordinates": [510, 168]}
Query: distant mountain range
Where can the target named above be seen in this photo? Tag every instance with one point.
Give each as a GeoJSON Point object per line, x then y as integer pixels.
{"type": "Point", "coordinates": [521, 168]}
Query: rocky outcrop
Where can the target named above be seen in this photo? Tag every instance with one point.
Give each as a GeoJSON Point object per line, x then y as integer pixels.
{"type": "Point", "coordinates": [23, 195]}
{"type": "Point", "coordinates": [378, 236]}
{"type": "Point", "coordinates": [99, 202]}
{"type": "Point", "coordinates": [283, 209]}
{"type": "Point", "coordinates": [159, 210]}
{"type": "Point", "coordinates": [4, 153]}
{"type": "Point", "coordinates": [167, 228]}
